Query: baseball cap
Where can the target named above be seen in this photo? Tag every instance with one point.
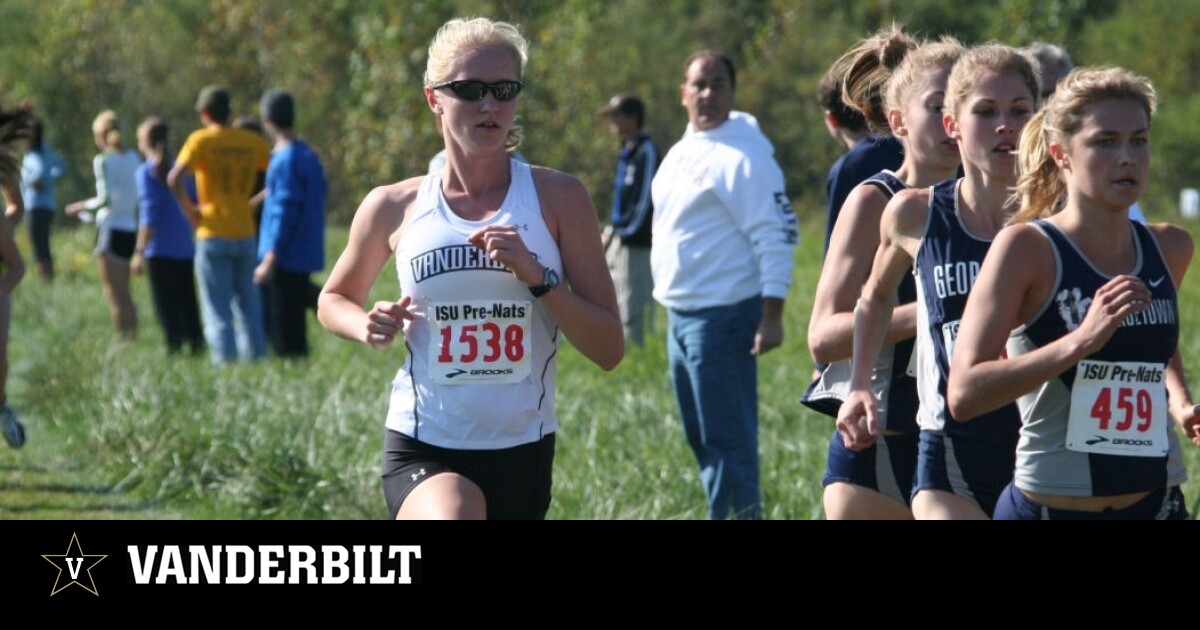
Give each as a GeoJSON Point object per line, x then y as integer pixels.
{"type": "Point", "coordinates": [624, 103]}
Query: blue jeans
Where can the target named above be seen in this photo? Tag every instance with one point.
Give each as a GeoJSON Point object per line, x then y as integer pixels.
{"type": "Point", "coordinates": [716, 385]}
{"type": "Point", "coordinates": [225, 275]}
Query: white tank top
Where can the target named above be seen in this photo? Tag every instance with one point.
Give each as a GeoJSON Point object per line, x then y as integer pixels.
{"type": "Point", "coordinates": [116, 188]}
{"type": "Point", "coordinates": [481, 348]}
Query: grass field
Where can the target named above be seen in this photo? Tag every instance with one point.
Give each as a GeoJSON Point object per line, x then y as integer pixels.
{"type": "Point", "coordinates": [120, 430]}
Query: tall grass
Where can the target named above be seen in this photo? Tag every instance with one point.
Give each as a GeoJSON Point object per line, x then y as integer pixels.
{"type": "Point", "coordinates": [126, 431]}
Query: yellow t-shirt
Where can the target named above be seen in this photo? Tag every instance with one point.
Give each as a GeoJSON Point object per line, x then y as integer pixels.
{"type": "Point", "coordinates": [226, 162]}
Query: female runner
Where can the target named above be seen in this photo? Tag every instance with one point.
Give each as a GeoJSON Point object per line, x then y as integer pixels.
{"type": "Point", "coordinates": [494, 257]}
{"type": "Point", "coordinates": [1093, 362]}
{"type": "Point", "coordinates": [942, 234]}
{"type": "Point", "coordinates": [899, 87]}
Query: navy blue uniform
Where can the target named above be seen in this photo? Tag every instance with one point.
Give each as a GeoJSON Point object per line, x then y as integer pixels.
{"type": "Point", "coordinates": [868, 156]}
{"type": "Point", "coordinates": [888, 465]}
{"type": "Point", "coordinates": [1102, 427]}
{"type": "Point", "coordinates": [973, 459]}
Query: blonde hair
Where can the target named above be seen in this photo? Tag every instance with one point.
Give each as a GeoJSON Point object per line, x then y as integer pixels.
{"type": "Point", "coordinates": [918, 66]}
{"type": "Point", "coordinates": [866, 68]}
{"type": "Point", "coordinates": [977, 60]}
{"type": "Point", "coordinates": [1039, 185]}
{"type": "Point", "coordinates": [106, 128]}
{"type": "Point", "coordinates": [458, 36]}
{"type": "Point", "coordinates": [881, 71]}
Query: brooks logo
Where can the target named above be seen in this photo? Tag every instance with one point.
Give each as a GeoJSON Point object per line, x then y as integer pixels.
{"type": "Point", "coordinates": [456, 373]}
{"type": "Point", "coordinates": [1096, 440]}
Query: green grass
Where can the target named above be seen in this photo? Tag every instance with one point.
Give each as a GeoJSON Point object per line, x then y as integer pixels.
{"type": "Point", "coordinates": [120, 430]}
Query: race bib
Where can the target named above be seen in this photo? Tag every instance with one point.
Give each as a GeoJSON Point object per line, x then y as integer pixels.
{"type": "Point", "coordinates": [483, 342]}
{"type": "Point", "coordinates": [949, 334]}
{"type": "Point", "coordinates": [1119, 409]}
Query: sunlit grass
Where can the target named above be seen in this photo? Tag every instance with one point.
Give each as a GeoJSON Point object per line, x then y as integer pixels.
{"type": "Point", "coordinates": [120, 430]}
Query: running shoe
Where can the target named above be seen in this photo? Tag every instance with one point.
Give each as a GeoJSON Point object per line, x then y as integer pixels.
{"type": "Point", "coordinates": [14, 433]}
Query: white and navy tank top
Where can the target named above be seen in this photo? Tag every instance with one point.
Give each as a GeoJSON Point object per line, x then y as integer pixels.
{"type": "Point", "coordinates": [947, 262]}
{"type": "Point", "coordinates": [480, 370]}
{"type": "Point", "coordinates": [894, 387]}
{"type": "Point", "coordinates": [1101, 427]}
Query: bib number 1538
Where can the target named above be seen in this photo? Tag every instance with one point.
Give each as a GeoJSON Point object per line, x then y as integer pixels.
{"type": "Point", "coordinates": [496, 343]}
{"type": "Point", "coordinates": [480, 342]}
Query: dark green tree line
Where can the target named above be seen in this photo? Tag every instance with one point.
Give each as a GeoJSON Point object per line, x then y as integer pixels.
{"type": "Point", "coordinates": [356, 68]}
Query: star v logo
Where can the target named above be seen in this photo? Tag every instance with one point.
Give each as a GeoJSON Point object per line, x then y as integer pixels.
{"type": "Point", "coordinates": [76, 564]}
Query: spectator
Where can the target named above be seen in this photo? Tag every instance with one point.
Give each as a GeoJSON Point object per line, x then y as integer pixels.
{"type": "Point", "coordinates": [40, 168]}
{"type": "Point", "coordinates": [227, 162]}
{"type": "Point", "coordinates": [627, 240]}
{"type": "Point", "coordinates": [291, 245]}
{"type": "Point", "coordinates": [164, 244]}
{"type": "Point", "coordinates": [115, 207]}
{"type": "Point", "coordinates": [724, 234]}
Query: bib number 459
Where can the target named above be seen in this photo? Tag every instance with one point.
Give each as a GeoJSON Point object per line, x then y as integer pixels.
{"type": "Point", "coordinates": [1131, 404]}
{"type": "Point", "coordinates": [1119, 408]}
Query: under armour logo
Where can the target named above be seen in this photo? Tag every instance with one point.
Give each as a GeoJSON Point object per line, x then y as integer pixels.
{"type": "Point", "coordinates": [419, 473]}
{"type": "Point", "coordinates": [523, 226]}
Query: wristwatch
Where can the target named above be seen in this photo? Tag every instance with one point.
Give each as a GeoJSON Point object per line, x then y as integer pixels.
{"type": "Point", "coordinates": [549, 281]}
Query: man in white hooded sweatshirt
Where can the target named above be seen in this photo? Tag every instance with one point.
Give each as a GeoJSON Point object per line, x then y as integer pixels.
{"type": "Point", "coordinates": [723, 238]}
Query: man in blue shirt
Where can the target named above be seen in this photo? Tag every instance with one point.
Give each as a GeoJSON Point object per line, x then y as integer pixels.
{"type": "Point", "coordinates": [291, 245]}
{"type": "Point", "coordinates": [627, 240]}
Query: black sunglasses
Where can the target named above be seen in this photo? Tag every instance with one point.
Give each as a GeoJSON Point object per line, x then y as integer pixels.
{"type": "Point", "coordinates": [472, 90]}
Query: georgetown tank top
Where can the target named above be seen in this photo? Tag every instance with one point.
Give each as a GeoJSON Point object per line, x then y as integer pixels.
{"type": "Point", "coordinates": [947, 263]}
{"type": "Point", "coordinates": [1101, 427]}
{"type": "Point", "coordinates": [893, 385]}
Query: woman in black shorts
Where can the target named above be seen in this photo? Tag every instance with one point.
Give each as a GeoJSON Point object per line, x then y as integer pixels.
{"type": "Point", "coordinates": [480, 248]}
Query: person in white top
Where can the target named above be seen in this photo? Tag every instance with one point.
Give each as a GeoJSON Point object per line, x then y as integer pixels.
{"type": "Point", "coordinates": [115, 205]}
{"type": "Point", "coordinates": [721, 257]}
{"type": "Point", "coordinates": [494, 257]}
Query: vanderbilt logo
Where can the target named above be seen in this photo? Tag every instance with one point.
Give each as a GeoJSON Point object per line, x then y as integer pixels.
{"type": "Point", "coordinates": [74, 567]}
{"type": "Point", "coordinates": [436, 262]}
